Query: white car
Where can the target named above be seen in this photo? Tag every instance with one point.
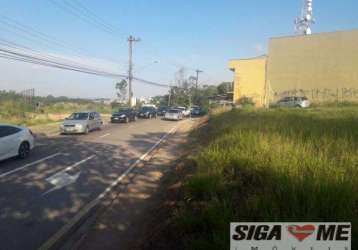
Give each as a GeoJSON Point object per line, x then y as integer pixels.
{"type": "Point", "coordinates": [184, 110]}
{"type": "Point", "coordinates": [15, 141]}
{"type": "Point", "coordinates": [173, 114]}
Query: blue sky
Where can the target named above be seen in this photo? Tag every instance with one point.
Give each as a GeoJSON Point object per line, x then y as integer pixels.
{"type": "Point", "coordinates": [202, 34]}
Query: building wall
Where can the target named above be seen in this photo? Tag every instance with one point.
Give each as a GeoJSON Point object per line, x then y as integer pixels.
{"type": "Point", "coordinates": [249, 79]}
{"type": "Point", "coordinates": [323, 67]}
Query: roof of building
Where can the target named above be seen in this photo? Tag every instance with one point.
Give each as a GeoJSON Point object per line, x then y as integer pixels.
{"type": "Point", "coordinates": [314, 34]}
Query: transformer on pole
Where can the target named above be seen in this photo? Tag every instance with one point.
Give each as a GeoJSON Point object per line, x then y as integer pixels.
{"type": "Point", "coordinates": [304, 22]}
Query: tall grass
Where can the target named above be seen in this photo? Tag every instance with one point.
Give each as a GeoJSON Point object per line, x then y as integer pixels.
{"type": "Point", "coordinates": [272, 165]}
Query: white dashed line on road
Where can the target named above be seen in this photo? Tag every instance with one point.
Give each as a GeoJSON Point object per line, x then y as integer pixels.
{"type": "Point", "coordinates": [76, 164]}
{"type": "Point", "coordinates": [29, 165]}
{"type": "Point", "coordinates": [105, 135]}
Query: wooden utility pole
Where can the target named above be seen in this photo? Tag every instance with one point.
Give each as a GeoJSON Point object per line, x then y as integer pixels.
{"type": "Point", "coordinates": [131, 39]}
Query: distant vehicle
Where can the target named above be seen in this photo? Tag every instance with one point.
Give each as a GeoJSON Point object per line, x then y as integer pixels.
{"type": "Point", "coordinates": [184, 110]}
{"type": "Point", "coordinates": [161, 111]}
{"type": "Point", "coordinates": [149, 105]}
{"type": "Point", "coordinates": [81, 123]}
{"type": "Point", "coordinates": [174, 114]}
{"type": "Point", "coordinates": [15, 141]}
{"type": "Point", "coordinates": [196, 111]}
{"type": "Point", "coordinates": [293, 101]}
{"type": "Point", "coordinates": [124, 115]}
{"type": "Point", "coordinates": [147, 112]}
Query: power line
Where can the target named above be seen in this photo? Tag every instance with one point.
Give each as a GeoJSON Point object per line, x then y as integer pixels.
{"type": "Point", "coordinates": [94, 15]}
{"type": "Point", "coordinates": [67, 7]}
{"type": "Point", "coordinates": [22, 30]}
{"type": "Point", "coordinates": [23, 57]}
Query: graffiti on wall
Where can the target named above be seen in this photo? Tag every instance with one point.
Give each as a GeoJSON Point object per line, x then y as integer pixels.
{"type": "Point", "coordinates": [322, 95]}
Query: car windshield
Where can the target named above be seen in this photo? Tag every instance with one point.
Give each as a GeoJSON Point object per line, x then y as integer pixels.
{"type": "Point", "coordinates": [124, 110]}
{"type": "Point", "coordinates": [78, 116]}
{"type": "Point", "coordinates": [145, 109]}
{"type": "Point", "coordinates": [174, 111]}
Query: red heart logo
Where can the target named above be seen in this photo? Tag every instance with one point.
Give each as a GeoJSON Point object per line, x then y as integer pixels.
{"type": "Point", "coordinates": [301, 232]}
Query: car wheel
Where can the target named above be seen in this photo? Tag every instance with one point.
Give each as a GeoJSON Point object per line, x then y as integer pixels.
{"type": "Point", "coordinates": [24, 150]}
{"type": "Point", "coordinates": [298, 106]}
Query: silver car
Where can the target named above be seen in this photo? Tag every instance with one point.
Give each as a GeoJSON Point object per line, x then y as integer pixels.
{"type": "Point", "coordinates": [81, 123]}
{"type": "Point", "coordinates": [293, 101]}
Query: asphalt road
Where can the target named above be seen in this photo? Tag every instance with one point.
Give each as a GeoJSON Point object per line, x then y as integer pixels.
{"type": "Point", "coordinates": [41, 194]}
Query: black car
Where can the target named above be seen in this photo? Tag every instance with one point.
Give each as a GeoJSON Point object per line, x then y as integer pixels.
{"type": "Point", "coordinates": [124, 115]}
{"type": "Point", "coordinates": [147, 112]}
{"type": "Point", "coordinates": [196, 111]}
{"type": "Point", "coordinates": [161, 111]}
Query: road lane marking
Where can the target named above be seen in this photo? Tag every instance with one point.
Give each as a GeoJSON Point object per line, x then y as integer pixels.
{"type": "Point", "coordinates": [76, 164]}
{"type": "Point", "coordinates": [62, 179]}
{"type": "Point", "coordinates": [102, 136]}
{"type": "Point", "coordinates": [29, 165]}
{"type": "Point", "coordinates": [87, 208]}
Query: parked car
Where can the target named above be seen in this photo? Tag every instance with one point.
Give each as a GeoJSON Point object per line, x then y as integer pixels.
{"type": "Point", "coordinates": [184, 110]}
{"type": "Point", "coordinates": [15, 141]}
{"type": "Point", "coordinates": [196, 111]}
{"type": "Point", "coordinates": [147, 112]}
{"type": "Point", "coordinates": [161, 111]}
{"type": "Point", "coordinates": [124, 115]}
{"type": "Point", "coordinates": [173, 114]}
{"type": "Point", "coordinates": [81, 123]}
{"type": "Point", "coordinates": [294, 101]}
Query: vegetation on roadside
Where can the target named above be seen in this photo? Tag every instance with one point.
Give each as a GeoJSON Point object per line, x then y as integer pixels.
{"type": "Point", "coordinates": [270, 165]}
{"type": "Point", "coordinates": [16, 109]}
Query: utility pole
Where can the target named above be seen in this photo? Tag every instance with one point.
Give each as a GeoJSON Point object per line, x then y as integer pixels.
{"type": "Point", "coordinates": [170, 95]}
{"type": "Point", "coordinates": [131, 39]}
{"type": "Point", "coordinates": [197, 78]}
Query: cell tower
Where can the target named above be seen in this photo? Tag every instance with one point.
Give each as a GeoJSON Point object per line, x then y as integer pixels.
{"type": "Point", "coordinates": [304, 22]}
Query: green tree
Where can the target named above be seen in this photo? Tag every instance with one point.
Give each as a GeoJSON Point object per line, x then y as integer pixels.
{"type": "Point", "coordinates": [121, 88]}
{"type": "Point", "coordinates": [225, 87]}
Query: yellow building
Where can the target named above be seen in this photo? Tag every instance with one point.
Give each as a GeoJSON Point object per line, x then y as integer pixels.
{"type": "Point", "coordinates": [249, 79]}
{"type": "Point", "coordinates": [322, 67]}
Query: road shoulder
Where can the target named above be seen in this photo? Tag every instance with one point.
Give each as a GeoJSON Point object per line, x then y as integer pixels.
{"type": "Point", "coordinates": [121, 223]}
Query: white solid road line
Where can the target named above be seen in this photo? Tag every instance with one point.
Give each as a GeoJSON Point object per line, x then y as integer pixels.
{"type": "Point", "coordinates": [102, 136]}
{"type": "Point", "coordinates": [29, 165]}
{"type": "Point", "coordinates": [62, 232]}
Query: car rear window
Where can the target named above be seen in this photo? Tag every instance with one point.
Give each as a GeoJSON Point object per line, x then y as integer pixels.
{"type": "Point", "coordinates": [174, 111]}
{"type": "Point", "coordinates": [8, 130]}
{"type": "Point", "coordinates": [78, 116]}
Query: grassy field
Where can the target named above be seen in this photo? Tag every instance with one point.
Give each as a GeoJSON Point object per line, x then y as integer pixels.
{"type": "Point", "coordinates": [18, 112]}
{"type": "Point", "coordinates": [271, 165]}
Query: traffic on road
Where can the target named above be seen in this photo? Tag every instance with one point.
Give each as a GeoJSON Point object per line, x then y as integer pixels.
{"type": "Point", "coordinates": [43, 190]}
